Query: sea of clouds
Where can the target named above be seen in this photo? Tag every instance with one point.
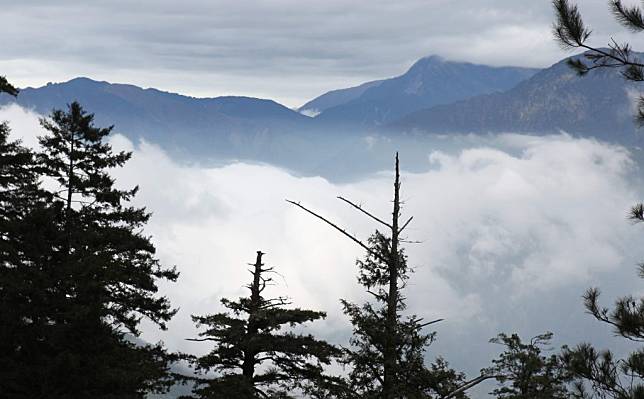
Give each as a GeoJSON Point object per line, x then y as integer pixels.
{"type": "Point", "coordinates": [509, 235]}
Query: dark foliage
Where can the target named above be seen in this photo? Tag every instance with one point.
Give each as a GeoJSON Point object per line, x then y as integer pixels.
{"type": "Point", "coordinates": [598, 373]}
{"type": "Point", "coordinates": [6, 87]}
{"type": "Point", "coordinates": [25, 283]}
{"type": "Point", "coordinates": [386, 353]}
{"type": "Point", "coordinates": [410, 377]}
{"type": "Point", "coordinates": [253, 356]}
{"type": "Point", "coordinates": [82, 274]}
{"type": "Point", "coordinates": [571, 32]}
{"type": "Point", "coordinates": [524, 372]}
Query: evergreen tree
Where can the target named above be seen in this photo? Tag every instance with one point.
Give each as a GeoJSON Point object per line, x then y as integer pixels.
{"type": "Point", "coordinates": [101, 268]}
{"type": "Point", "coordinates": [408, 375]}
{"type": "Point", "coordinates": [6, 87]}
{"type": "Point", "coordinates": [572, 33]}
{"type": "Point", "coordinates": [524, 372]}
{"type": "Point", "coordinates": [598, 372]}
{"type": "Point", "coordinates": [253, 357]}
{"type": "Point", "coordinates": [386, 354]}
{"type": "Point", "coordinates": [23, 283]}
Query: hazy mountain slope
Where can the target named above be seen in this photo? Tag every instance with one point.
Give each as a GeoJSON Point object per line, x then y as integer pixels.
{"type": "Point", "coordinates": [336, 97]}
{"type": "Point", "coordinates": [202, 125]}
{"type": "Point", "coordinates": [598, 104]}
{"type": "Point", "coordinates": [194, 129]}
{"type": "Point", "coordinates": [430, 81]}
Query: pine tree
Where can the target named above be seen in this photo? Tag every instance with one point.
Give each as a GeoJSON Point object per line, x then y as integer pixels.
{"type": "Point", "coordinates": [102, 270]}
{"type": "Point", "coordinates": [572, 33]}
{"type": "Point", "coordinates": [25, 283]}
{"type": "Point", "coordinates": [524, 372]}
{"type": "Point", "coordinates": [22, 294]}
{"type": "Point", "coordinates": [253, 357]}
{"type": "Point", "coordinates": [599, 373]}
{"type": "Point", "coordinates": [408, 375]}
{"type": "Point", "coordinates": [6, 87]}
{"type": "Point", "coordinates": [386, 354]}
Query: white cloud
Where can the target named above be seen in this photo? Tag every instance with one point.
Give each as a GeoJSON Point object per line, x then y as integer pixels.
{"type": "Point", "coordinates": [312, 113]}
{"type": "Point", "coordinates": [24, 124]}
{"type": "Point", "coordinates": [511, 234]}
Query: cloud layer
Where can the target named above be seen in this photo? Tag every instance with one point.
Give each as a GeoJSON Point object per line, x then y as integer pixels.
{"type": "Point", "coordinates": [511, 234]}
{"type": "Point", "coordinates": [286, 50]}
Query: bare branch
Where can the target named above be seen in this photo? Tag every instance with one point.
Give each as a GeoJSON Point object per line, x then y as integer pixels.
{"type": "Point", "coordinates": [358, 207]}
{"type": "Point", "coordinates": [341, 230]}
{"type": "Point", "coordinates": [429, 323]}
{"type": "Point", "coordinates": [411, 242]}
{"type": "Point", "coordinates": [470, 384]}
{"type": "Point", "coordinates": [405, 225]}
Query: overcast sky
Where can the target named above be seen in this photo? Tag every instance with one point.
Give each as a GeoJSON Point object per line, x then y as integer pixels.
{"type": "Point", "coordinates": [286, 50]}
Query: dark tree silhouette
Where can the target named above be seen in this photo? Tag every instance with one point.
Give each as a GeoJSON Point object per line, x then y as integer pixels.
{"type": "Point", "coordinates": [6, 87]}
{"type": "Point", "coordinates": [25, 286]}
{"type": "Point", "coordinates": [101, 269]}
{"type": "Point", "coordinates": [386, 354]}
{"type": "Point", "coordinates": [599, 373]}
{"type": "Point", "coordinates": [253, 357]}
{"type": "Point", "coordinates": [524, 372]}
{"type": "Point", "coordinates": [408, 375]}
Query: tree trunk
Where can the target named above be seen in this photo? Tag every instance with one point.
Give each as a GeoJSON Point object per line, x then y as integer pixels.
{"type": "Point", "coordinates": [248, 366]}
{"type": "Point", "coordinates": [392, 300]}
{"type": "Point", "coordinates": [70, 191]}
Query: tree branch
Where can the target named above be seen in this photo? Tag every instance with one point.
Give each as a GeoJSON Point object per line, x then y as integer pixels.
{"type": "Point", "coordinates": [470, 384]}
{"type": "Point", "coordinates": [341, 230]}
{"type": "Point", "coordinates": [405, 225]}
{"type": "Point", "coordinates": [429, 323]}
{"type": "Point", "coordinates": [358, 207]}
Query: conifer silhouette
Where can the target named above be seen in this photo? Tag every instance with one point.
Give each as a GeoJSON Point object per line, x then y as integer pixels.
{"type": "Point", "coordinates": [254, 356]}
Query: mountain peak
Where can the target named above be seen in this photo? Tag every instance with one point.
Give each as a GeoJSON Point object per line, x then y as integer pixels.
{"type": "Point", "coordinates": [555, 99]}
{"type": "Point", "coordinates": [427, 62]}
{"type": "Point", "coordinates": [433, 58]}
{"type": "Point", "coordinates": [430, 81]}
{"type": "Point", "coordinates": [81, 81]}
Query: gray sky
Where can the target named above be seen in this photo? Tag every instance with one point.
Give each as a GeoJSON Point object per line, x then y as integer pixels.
{"type": "Point", "coordinates": [286, 50]}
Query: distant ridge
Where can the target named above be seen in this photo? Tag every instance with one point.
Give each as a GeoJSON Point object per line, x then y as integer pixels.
{"type": "Point", "coordinates": [200, 125]}
{"type": "Point", "coordinates": [515, 100]}
{"type": "Point", "coordinates": [335, 97]}
{"type": "Point", "coordinates": [598, 104]}
{"type": "Point", "coordinates": [430, 81]}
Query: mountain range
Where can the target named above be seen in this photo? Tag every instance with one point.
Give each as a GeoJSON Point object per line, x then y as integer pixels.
{"type": "Point", "coordinates": [600, 104]}
{"type": "Point", "coordinates": [434, 96]}
{"type": "Point", "coordinates": [430, 81]}
{"type": "Point", "coordinates": [201, 125]}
